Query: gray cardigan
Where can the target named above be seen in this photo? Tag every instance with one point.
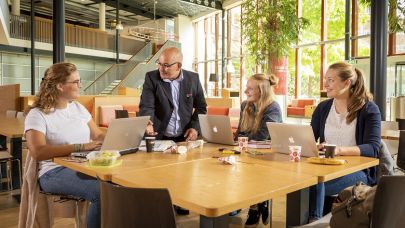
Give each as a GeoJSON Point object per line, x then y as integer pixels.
{"type": "Point", "coordinates": [271, 114]}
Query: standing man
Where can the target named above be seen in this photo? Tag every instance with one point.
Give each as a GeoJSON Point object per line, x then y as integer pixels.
{"type": "Point", "coordinates": [173, 97]}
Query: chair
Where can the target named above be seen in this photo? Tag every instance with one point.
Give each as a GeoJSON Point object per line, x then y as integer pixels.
{"type": "Point", "coordinates": [389, 203]}
{"type": "Point", "coordinates": [57, 198]}
{"type": "Point", "coordinates": [392, 145]}
{"type": "Point", "coordinates": [11, 113]}
{"type": "Point", "coordinates": [388, 207]}
{"type": "Point", "coordinates": [20, 115]}
{"type": "Point", "coordinates": [135, 207]}
{"type": "Point", "coordinates": [401, 151]}
{"type": "Point", "coordinates": [7, 159]}
{"type": "Point", "coordinates": [401, 124]}
{"type": "Point", "coordinates": [121, 114]}
{"type": "Point", "coordinates": [212, 110]}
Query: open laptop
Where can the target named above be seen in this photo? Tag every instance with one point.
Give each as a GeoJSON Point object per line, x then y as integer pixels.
{"type": "Point", "coordinates": [123, 135]}
{"type": "Point", "coordinates": [216, 129]}
{"type": "Point", "coordinates": [284, 135]}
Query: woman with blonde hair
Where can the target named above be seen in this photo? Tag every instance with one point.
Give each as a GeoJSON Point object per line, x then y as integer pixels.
{"type": "Point", "coordinates": [56, 126]}
{"type": "Point", "coordinates": [351, 121]}
{"type": "Point", "coordinates": [259, 108]}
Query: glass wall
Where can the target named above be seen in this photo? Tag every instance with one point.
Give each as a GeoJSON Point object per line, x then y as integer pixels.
{"type": "Point", "coordinates": [15, 68]}
{"type": "Point", "coordinates": [320, 45]}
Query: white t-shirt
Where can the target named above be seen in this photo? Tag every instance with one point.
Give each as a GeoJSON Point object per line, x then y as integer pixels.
{"type": "Point", "coordinates": [61, 127]}
{"type": "Point", "coordinates": [337, 131]}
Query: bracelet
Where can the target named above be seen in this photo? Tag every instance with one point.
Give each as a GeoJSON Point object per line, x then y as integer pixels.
{"type": "Point", "coordinates": [77, 147]}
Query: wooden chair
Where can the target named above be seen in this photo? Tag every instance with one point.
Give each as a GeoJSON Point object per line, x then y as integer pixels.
{"type": "Point", "coordinates": [135, 207]}
{"type": "Point", "coordinates": [11, 113]}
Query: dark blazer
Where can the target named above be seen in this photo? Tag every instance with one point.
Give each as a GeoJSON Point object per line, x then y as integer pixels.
{"type": "Point", "coordinates": [368, 130]}
{"type": "Point", "coordinates": [157, 101]}
{"type": "Point", "coordinates": [271, 114]}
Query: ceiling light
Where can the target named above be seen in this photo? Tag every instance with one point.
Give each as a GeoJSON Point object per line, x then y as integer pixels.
{"type": "Point", "coordinates": [119, 26]}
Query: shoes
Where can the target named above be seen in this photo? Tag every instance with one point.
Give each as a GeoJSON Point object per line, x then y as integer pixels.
{"type": "Point", "coordinates": [181, 211]}
{"type": "Point", "coordinates": [264, 211]}
{"type": "Point", "coordinates": [253, 218]}
{"type": "Point", "coordinates": [233, 213]}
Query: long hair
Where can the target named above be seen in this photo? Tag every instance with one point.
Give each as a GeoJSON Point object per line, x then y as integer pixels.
{"type": "Point", "coordinates": [48, 92]}
{"type": "Point", "coordinates": [253, 112]}
{"type": "Point", "coordinates": [358, 94]}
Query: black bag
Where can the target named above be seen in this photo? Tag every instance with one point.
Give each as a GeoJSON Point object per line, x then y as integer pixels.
{"type": "Point", "coordinates": [353, 207]}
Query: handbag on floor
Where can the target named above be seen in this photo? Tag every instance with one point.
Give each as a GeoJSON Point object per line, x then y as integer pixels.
{"type": "Point", "coordinates": [353, 207]}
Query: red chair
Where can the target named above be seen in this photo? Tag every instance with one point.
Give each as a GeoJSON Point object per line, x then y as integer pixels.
{"type": "Point", "coordinates": [223, 111]}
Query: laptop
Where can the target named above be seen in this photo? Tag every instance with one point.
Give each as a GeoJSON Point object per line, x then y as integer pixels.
{"type": "Point", "coordinates": [284, 135]}
{"type": "Point", "coordinates": [216, 129]}
{"type": "Point", "coordinates": [124, 135]}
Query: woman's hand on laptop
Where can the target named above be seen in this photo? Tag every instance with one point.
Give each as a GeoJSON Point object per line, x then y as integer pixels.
{"type": "Point", "coordinates": [94, 145]}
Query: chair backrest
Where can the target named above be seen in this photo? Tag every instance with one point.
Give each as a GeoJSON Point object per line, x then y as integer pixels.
{"type": "Point", "coordinates": [121, 114]}
{"type": "Point", "coordinates": [11, 113]}
{"type": "Point", "coordinates": [389, 125]}
{"type": "Point", "coordinates": [401, 124]}
{"type": "Point", "coordinates": [389, 203]}
{"type": "Point", "coordinates": [135, 207]}
{"type": "Point", "coordinates": [213, 110]}
{"type": "Point", "coordinates": [401, 151]}
{"type": "Point", "coordinates": [20, 115]}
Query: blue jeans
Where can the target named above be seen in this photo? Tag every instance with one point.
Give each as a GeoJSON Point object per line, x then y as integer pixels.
{"type": "Point", "coordinates": [65, 181]}
{"type": "Point", "coordinates": [318, 192]}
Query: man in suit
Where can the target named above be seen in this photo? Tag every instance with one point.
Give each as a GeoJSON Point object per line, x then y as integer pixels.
{"type": "Point", "coordinates": [173, 97]}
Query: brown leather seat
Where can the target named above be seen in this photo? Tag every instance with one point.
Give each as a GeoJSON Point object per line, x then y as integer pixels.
{"type": "Point", "coordinates": [135, 207]}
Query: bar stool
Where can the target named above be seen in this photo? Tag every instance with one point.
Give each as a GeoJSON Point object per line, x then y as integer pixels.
{"type": "Point", "coordinates": [58, 198]}
{"type": "Point", "coordinates": [6, 158]}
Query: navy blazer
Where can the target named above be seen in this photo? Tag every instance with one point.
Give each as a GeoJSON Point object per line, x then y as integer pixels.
{"type": "Point", "coordinates": [157, 101]}
{"type": "Point", "coordinates": [368, 130]}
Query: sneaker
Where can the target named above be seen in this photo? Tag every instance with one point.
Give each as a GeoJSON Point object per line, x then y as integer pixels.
{"type": "Point", "coordinates": [253, 218]}
{"type": "Point", "coordinates": [181, 211]}
{"type": "Point", "coordinates": [264, 211]}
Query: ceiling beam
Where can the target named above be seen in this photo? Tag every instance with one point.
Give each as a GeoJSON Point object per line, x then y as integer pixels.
{"type": "Point", "coordinates": [212, 4]}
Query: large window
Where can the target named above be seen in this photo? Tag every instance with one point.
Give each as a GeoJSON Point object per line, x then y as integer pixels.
{"type": "Point", "coordinates": [321, 44]}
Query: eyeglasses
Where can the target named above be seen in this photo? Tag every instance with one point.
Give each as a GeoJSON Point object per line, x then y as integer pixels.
{"type": "Point", "coordinates": [77, 82]}
{"type": "Point", "coordinates": [165, 65]}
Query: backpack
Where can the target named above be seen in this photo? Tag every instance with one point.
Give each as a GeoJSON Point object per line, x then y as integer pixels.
{"type": "Point", "coordinates": [353, 207]}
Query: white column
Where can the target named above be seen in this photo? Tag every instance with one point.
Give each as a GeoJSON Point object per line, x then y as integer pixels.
{"type": "Point", "coordinates": [183, 28]}
{"type": "Point", "coordinates": [101, 17]}
{"type": "Point", "coordinates": [15, 7]}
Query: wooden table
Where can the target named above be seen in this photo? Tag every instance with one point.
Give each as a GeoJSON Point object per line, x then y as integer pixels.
{"type": "Point", "coordinates": [139, 160]}
{"type": "Point", "coordinates": [390, 134]}
{"type": "Point", "coordinates": [194, 177]}
{"type": "Point", "coordinates": [213, 189]}
{"type": "Point", "coordinates": [13, 129]}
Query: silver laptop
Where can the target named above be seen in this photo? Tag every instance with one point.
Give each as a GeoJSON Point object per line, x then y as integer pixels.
{"type": "Point", "coordinates": [216, 129]}
{"type": "Point", "coordinates": [123, 134]}
{"type": "Point", "coordinates": [284, 135]}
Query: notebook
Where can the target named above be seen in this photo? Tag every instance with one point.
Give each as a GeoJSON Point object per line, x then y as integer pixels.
{"type": "Point", "coordinates": [123, 135]}
{"type": "Point", "coordinates": [216, 129]}
{"type": "Point", "coordinates": [284, 135]}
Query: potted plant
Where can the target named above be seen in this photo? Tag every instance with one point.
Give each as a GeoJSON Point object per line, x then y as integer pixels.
{"type": "Point", "coordinates": [270, 27]}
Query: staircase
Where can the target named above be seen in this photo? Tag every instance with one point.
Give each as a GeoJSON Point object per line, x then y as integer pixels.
{"type": "Point", "coordinates": [108, 90]}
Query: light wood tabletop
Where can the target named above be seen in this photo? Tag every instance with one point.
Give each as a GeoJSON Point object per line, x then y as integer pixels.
{"type": "Point", "coordinates": [390, 134]}
{"type": "Point", "coordinates": [139, 160]}
{"type": "Point", "coordinates": [212, 189]}
{"type": "Point", "coordinates": [11, 127]}
{"type": "Point", "coordinates": [323, 172]}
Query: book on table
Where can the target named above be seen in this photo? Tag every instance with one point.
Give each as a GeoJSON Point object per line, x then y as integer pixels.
{"type": "Point", "coordinates": [266, 144]}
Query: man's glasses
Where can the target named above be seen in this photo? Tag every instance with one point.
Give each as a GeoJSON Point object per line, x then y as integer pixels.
{"type": "Point", "coordinates": [77, 82]}
{"type": "Point", "coordinates": [165, 65]}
